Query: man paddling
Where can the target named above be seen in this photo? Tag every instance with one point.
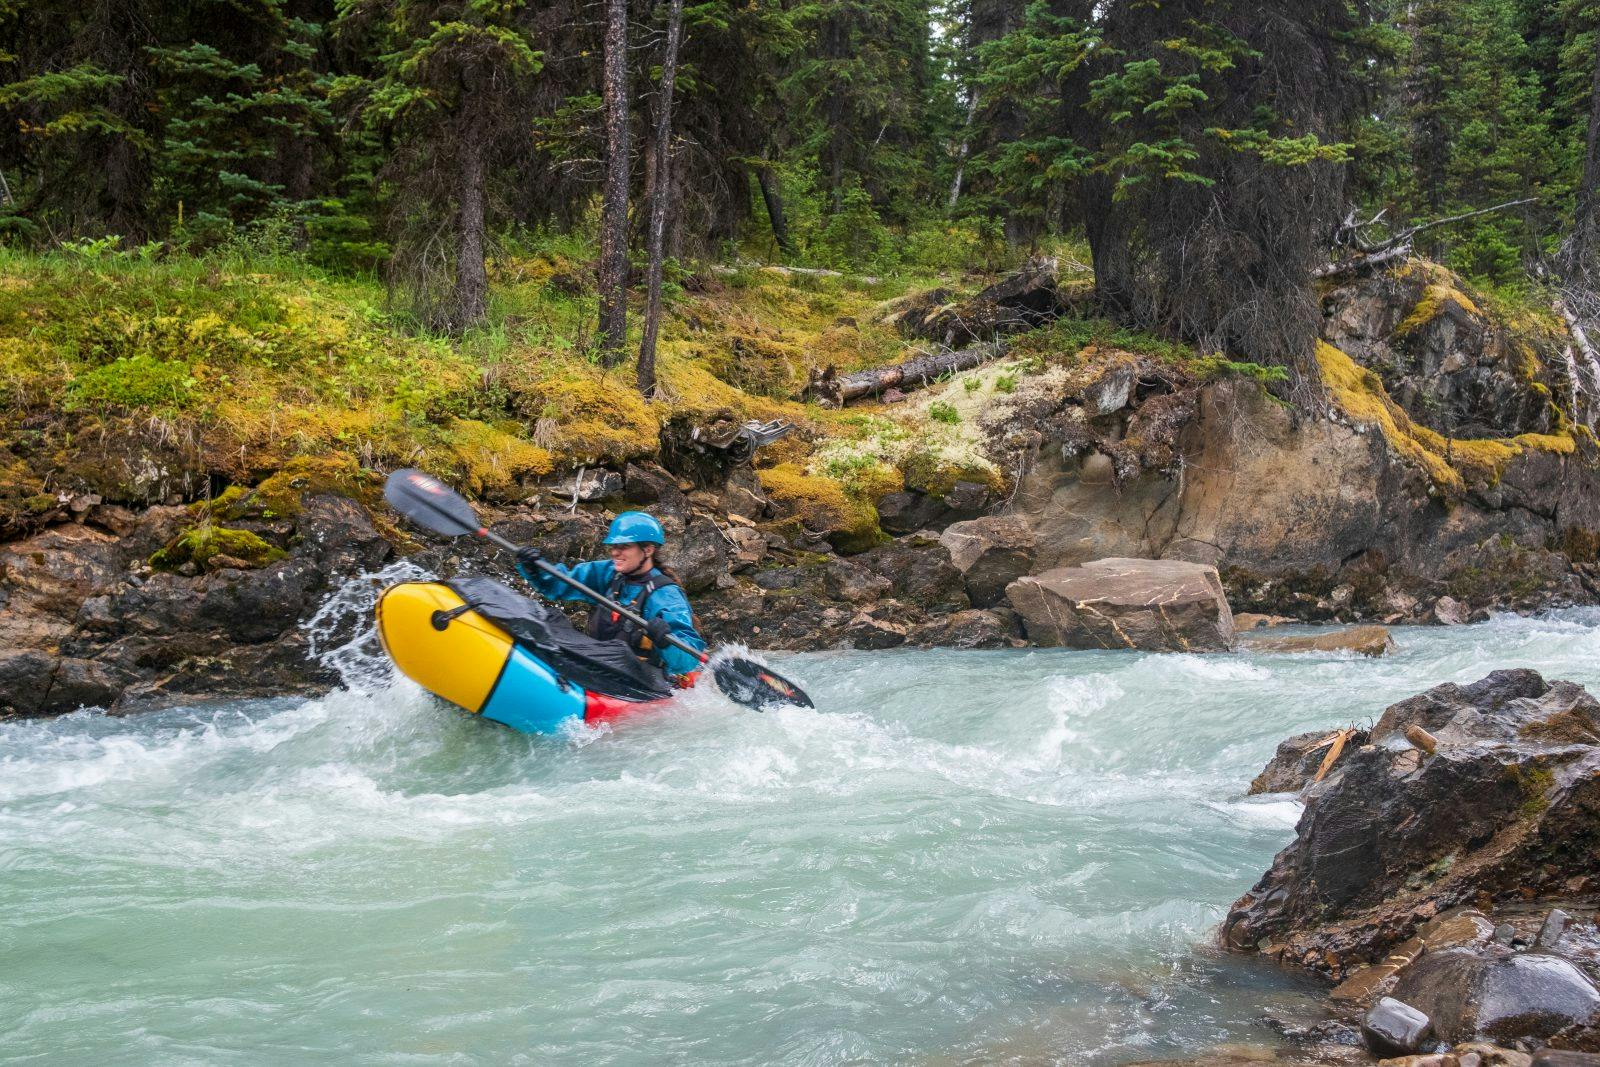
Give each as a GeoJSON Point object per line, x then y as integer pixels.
{"type": "Point", "coordinates": [637, 577]}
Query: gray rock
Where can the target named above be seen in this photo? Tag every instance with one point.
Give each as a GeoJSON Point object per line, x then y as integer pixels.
{"type": "Point", "coordinates": [849, 581]}
{"type": "Point", "coordinates": [748, 548]}
{"type": "Point", "coordinates": [1515, 769]}
{"type": "Point", "coordinates": [1296, 761]}
{"type": "Point", "coordinates": [1555, 924]}
{"type": "Point", "coordinates": [589, 486]}
{"type": "Point", "coordinates": [1496, 994]}
{"type": "Point", "coordinates": [1394, 1028]}
{"type": "Point", "coordinates": [991, 552]}
{"type": "Point", "coordinates": [869, 630]}
{"type": "Point", "coordinates": [1560, 1058]}
{"type": "Point", "coordinates": [973, 628]}
{"type": "Point", "coordinates": [909, 511]}
{"type": "Point", "coordinates": [700, 556]}
{"type": "Point", "coordinates": [1111, 389]}
{"type": "Point", "coordinates": [1156, 605]}
{"type": "Point", "coordinates": [1449, 612]}
{"type": "Point", "coordinates": [649, 485]}
{"type": "Point", "coordinates": [967, 500]}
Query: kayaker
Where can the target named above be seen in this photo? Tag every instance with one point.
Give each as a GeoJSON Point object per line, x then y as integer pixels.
{"type": "Point", "coordinates": [637, 577]}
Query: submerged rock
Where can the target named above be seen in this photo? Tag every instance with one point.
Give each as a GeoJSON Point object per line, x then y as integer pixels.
{"type": "Point", "coordinates": [1362, 640]}
{"type": "Point", "coordinates": [1155, 605]}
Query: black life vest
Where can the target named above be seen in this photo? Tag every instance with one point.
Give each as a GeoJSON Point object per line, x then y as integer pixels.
{"type": "Point", "coordinates": [606, 624]}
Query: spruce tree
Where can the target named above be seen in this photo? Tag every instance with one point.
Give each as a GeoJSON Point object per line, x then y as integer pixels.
{"type": "Point", "coordinates": [449, 91]}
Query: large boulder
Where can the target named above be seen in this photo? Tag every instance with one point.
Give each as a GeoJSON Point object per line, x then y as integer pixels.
{"type": "Point", "coordinates": [990, 552]}
{"type": "Point", "coordinates": [1505, 807]}
{"type": "Point", "coordinates": [1155, 605]}
{"type": "Point", "coordinates": [1491, 992]}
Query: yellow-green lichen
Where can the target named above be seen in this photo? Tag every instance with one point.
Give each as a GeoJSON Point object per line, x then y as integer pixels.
{"type": "Point", "coordinates": [283, 494]}
{"type": "Point", "coordinates": [1435, 299]}
{"type": "Point", "coordinates": [1451, 463]}
{"type": "Point", "coordinates": [822, 506]}
{"type": "Point", "coordinates": [491, 458]}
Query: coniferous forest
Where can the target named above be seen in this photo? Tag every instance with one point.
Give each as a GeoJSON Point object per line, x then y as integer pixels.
{"type": "Point", "coordinates": [1213, 154]}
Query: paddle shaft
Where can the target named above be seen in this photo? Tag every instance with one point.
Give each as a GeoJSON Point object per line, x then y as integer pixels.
{"type": "Point", "coordinates": [599, 598]}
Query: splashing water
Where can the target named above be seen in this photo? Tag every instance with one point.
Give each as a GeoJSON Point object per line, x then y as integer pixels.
{"type": "Point", "coordinates": [955, 858]}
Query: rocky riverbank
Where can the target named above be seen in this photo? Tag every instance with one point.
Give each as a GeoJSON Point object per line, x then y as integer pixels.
{"type": "Point", "coordinates": [1074, 494]}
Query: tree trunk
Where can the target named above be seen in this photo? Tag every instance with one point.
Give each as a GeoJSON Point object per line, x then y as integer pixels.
{"type": "Point", "coordinates": [961, 153]}
{"type": "Point", "coordinates": [772, 196]}
{"type": "Point", "coordinates": [1584, 248]}
{"type": "Point", "coordinates": [912, 374]}
{"type": "Point", "coordinates": [660, 193]}
{"type": "Point", "coordinates": [833, 35]}
{"type": "Point", "coordinates": [613, 280]}
{"type": "Point", "coordinates": [472, 281]}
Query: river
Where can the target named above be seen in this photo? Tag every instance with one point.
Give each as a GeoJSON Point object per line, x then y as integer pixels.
{"type": "Point", "coordinates": [957, 857]}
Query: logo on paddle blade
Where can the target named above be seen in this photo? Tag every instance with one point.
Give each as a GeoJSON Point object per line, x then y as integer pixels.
{"type": "Point", "coordinates": [423, 482]}
{"type": "Point", "coordinates": [776, 683]}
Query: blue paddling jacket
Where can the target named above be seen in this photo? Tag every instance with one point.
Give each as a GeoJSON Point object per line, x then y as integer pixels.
{"type": "Point", "coordinates": [655, 597]}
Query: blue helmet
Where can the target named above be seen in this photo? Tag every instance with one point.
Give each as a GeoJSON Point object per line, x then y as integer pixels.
{"type": "Point", "coordinates": [634, 528]}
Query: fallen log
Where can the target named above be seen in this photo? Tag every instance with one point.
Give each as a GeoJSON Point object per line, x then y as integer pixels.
{"type": "Point", "coordinates": [791, 272]}
{"type": "Point", "coordinates": [829, 388]}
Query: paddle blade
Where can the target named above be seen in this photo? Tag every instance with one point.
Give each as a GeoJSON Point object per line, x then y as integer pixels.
{"type": "Point", "coordinates": [429, 503]}
{"type": "Point", "coordinates": [746, 682]}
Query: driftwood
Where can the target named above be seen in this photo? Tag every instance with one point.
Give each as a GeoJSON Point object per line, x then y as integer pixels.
{"type": "Point", "coordinates": [827, 387]}
{"type": "Point", "coordinates": [1369, 254]}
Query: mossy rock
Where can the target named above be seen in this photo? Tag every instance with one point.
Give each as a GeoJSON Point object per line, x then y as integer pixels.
{"type": "Point", "coordinates": [935, 473]}
{"type": "Point", "coordinates": [493, 459]}
{"type": "Point", "coordinates": [203, 544]}
{"type": "Point", "coordinates": [1451, 463]}
{"type": "Point", "coordinates": [822, 506]}
{"type": "Point", "coordinates": [1437, 298]}
{"type": "Point", "coordinates": [283, 494]}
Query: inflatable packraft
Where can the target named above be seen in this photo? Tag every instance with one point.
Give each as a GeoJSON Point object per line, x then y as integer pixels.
{"type": "Point", "coordinates": [496, 653]}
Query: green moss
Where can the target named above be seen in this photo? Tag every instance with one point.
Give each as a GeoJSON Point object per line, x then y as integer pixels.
{"type": "Point", "coordinates": [1212, 367]}
{"type": "Point", "coordinates": [1535, 783]}
{"type": "Point", "coordinates": [139, 381]}
{"type": "Point", "coordinates": [204, 544]}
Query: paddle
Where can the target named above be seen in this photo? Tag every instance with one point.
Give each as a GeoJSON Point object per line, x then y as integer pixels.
{"type": "Point", "coordinates": [430, 503]}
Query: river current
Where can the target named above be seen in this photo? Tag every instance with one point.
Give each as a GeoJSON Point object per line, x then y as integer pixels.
{"type": "Point", "coordinates": [957, 857]}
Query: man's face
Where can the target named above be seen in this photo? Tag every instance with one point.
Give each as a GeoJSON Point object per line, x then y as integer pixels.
{"type": "Point", "coordinates": [627, 558]}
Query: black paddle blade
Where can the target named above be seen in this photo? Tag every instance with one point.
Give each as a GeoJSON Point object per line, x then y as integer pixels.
{"type": "Point", "coordinates": [746, 682]}
{"type": "Point", "coordinates": [428, 502]}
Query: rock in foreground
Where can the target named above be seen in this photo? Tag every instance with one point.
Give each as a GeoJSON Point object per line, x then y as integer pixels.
{"type": "Point", "coordinates": [1150, 604]}
{"type": "Point", "coordinates": [1485, 795]}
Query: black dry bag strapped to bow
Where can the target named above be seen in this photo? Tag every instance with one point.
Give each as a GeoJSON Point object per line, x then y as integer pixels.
{"type": "Point", "coordinates": [608, 667]}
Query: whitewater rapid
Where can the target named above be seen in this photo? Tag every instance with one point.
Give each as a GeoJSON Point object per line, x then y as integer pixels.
{"type": "Point", "coordinates": [956, 857]}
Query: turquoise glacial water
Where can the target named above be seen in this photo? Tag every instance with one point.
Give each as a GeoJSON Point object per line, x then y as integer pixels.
{"type": "Point", "coordinates": [957, 857]}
